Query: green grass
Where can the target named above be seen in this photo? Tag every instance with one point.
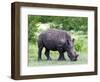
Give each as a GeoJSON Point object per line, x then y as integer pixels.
{"type": "Point", "coordinates": [32, 58]}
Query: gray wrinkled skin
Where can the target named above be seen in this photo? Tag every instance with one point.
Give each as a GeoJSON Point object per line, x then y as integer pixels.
{"type": "Point", "coordinates": [56, 40]}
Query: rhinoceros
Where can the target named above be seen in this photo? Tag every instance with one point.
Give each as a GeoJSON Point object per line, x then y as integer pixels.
{"type": "Point", "coordinates": [56, 40]}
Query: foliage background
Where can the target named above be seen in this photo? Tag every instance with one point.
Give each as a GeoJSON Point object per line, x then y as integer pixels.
{"type": "Point", "coordinates": [76, 26]}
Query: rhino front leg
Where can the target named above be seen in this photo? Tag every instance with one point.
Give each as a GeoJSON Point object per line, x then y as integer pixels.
{"type": "Point", "coordinates": [61, 56]}
{"type": "Point", "coordinates": [47, 54]}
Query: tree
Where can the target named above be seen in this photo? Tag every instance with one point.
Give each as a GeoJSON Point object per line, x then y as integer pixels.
{"type": "Point", "coordinates": [59, 22]}
{"type": "Point", "coordinates": [32, 28]}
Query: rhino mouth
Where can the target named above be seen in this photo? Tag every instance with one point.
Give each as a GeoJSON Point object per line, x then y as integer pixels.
{"type": "Point", "coordinates": [73, 58]}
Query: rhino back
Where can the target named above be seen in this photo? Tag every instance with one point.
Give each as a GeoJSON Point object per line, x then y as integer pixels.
{"type": "Point", "coordinates": [54, 38]}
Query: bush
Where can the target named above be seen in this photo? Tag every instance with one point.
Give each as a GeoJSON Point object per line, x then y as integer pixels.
{"type": "Point", "coordinates": [81, 44]}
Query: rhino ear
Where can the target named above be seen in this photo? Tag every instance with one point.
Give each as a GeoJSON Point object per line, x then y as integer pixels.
{"type": "Point", "coordinates": [73, 40]}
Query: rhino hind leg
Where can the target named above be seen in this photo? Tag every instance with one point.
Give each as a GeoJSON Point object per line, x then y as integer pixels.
{"type": "Point", "coordinates": [47, 54]}
{"type": "Point", "coordinates": [40, 53]}
{"type": "Point", "coordinates": [40, 47]}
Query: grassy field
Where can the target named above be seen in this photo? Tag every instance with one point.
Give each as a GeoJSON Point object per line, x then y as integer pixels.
{"type": "Point", "coordinates": [32, 58]}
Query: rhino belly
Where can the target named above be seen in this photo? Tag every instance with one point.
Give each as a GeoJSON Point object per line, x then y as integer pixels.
{"type": "Point", "coordinates": [50, 45]}
{"type": "Point", "coordinates": [53, 45]}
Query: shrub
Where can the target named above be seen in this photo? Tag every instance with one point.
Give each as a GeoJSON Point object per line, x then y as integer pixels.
{"type": "Point", "coordinates": [81, 44]}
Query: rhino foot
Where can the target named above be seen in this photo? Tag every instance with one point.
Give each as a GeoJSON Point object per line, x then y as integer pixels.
{"type": "Point", "coordinates": [49, 59]}
{"type": "Point", "coordinates": [62, 59]}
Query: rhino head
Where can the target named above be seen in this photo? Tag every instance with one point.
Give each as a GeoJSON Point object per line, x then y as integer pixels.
{"type": "Point", "coordinates": [71, 51]}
